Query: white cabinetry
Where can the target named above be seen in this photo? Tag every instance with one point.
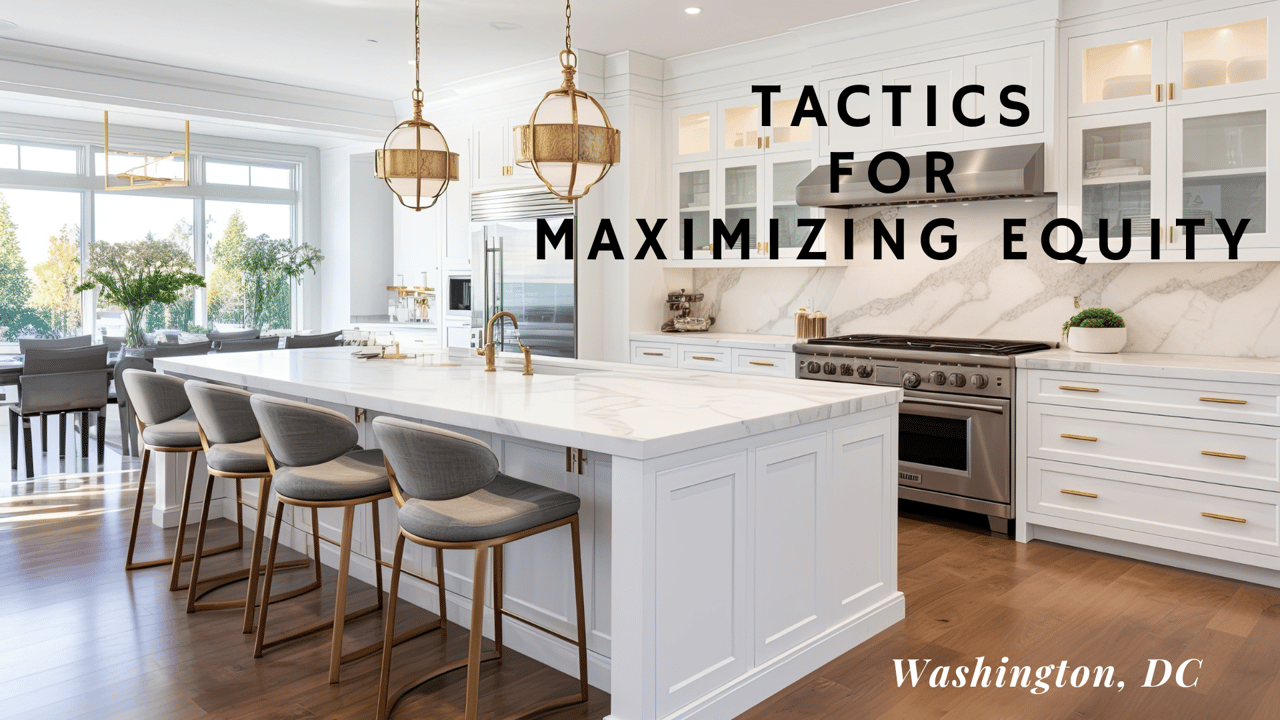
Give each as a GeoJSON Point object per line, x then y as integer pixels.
{"type": "Point", "coordinates": [725, 356]}
{"type": "Point", "coordinates": [493, 156]}
{"type": "Point", "coordinates": [1176, 464]}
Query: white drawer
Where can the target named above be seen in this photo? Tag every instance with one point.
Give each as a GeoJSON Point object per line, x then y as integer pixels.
{"type": "Point", "coordinates": [704, 357]}
{"type": "Point", "coordinates": [1236, 402]}
{"type": "Point", "coordinates": [764, 362]}
{"type": "Point", "coordinates": [1247, 519]}
{"type": "Point", "coordinates": [1206, 450]}
{"type": "Point", "coordinates": [651, 353]}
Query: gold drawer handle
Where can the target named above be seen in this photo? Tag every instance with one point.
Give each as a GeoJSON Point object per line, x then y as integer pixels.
{"type": "Point", "coordinates": [703, 357]}
{"type": "Point", "coordinates": [652, 354]}
{"type": "Point", "coordinates": [1231, 456]}
{"type": "Point", "coordinates": [1073, 388]}
{"type": "Point", "coordinates": [1216, 516]}
{"type": "Point", "coordinates": [761, 362]}
{"type": "Point", "coordinates": [1086, 438]}
{"type": "Point", "coordinates": [1228, 401]}
{"type": "Point", "coordinates": [1080, 493]}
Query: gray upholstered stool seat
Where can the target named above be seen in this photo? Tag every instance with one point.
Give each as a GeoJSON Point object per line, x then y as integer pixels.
{"type": "Point", "coordinates": [182, 431]}
{"type": "Point", "coordinates": [359, 473]}
{"type": "Point", "coordinates": [241, 457]}
{"type": "Point", "coordinates": [503, 507]}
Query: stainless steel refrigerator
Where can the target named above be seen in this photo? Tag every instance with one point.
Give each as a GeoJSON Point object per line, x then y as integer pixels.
{"type": "Point", "coordinates": [540, 293]}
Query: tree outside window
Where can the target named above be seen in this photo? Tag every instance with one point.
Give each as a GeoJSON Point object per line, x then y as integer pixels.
{"type": "Point", "coordinates": [37, 275]}
{"type": "Point", "coordinates": [253, 263]}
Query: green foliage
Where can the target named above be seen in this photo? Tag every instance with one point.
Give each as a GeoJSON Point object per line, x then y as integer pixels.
{"type": "Point", "coordinates": [1093, 318]}
{"type": "Point", "coordinates": [17, 318]}
{"type": "Point", "coordinates": [134, 275]}
{"type": "Point", "coordinates": [250, 279]}
{"type": "Point", "coordinates": [54, 293]}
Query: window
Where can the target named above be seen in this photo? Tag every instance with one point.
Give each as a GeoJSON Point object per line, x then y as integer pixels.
{"type": "Point", "coordinates": [119, 217]}
{"type": "Point", "coordinates": [224, 173]}
{"type": "Point", "coordinates": [237, 249]}
{"type": "Point", "coordinates": [40, 158]}
{"type": "Point", "coordinates": [39, 263]}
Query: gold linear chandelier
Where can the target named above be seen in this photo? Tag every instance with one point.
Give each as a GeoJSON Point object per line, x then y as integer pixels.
{"type": "Point", "coordinates": [415, 160]}
{"type": "Point", "coordinates": [568, 142]}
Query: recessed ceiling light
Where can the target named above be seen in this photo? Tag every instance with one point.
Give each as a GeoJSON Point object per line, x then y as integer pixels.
{"type": "Point", "coordinates": [693, 10]}
{"type": "Point", "coordinates": [501, 25]}
{"type": "Point", "coordinates": [5, 26]}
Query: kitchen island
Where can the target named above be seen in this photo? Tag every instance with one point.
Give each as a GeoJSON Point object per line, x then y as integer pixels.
{"type": "Point", "coordinates": [738, 532]}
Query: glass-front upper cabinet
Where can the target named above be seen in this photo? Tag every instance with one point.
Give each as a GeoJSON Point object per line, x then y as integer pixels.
{"type": "Point", "coordinates": [1221, 55]}
{"type": "Point", "coordinates": [693, 130]}
{"type": "Point", "coordinates": [695, 185]}
{"type": "Point", "coordinates": [1117, 166]}
{"type": "Point", "coordinates": [740, 131]}
{"type": "Point", "coordinates": [1117, 70]}
{"type": "Point", "coordinates": [1219, 164]}
{"type": "Point", "coordinates": [784, 172]}
{"type": "Point", "coordinates": [742, 186]}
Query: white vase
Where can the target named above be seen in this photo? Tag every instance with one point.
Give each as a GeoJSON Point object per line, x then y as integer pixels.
{"type": "Point", "coordinates": [1097, 340]}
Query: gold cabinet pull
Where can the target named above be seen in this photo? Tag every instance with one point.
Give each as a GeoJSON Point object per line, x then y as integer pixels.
{"type": "Point", "coordinates": [1073, 388]}
{"type": "Point", "coordinates": [654, 354]}
{"type": "Point", "coordinates": [1170, 91]}
{"type": "Point", "coordinates": [759, 143]}
{"type": "Point", "coordinates": [569, 457]}
{"type": "Point", "coordinates": [704, 357]}
{"type": "Point", "coordinates": [766, 143]}
{"type": "Point", "coordinates": [1079, 493]}
{"type": "Point", "coordinates": [1230, 456]}
{"type": "Point", "coordinates": [1229, 518]}
{"type": "Point", "coordinates": [761, 362]}
{"type": "Point", "coordinates": [1159, 87]}
{"type": "Point", "coordinates": [1228, 401]}
{"type": "Point", "coordinates": [1086, 438]}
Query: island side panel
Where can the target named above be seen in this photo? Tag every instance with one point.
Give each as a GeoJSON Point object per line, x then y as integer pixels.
{"type": "Point", "coordinates": [740, 567]}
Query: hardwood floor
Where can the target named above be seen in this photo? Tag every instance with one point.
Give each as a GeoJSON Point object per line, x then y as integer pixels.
{"type": "Point", "coordinates": [84, 639]}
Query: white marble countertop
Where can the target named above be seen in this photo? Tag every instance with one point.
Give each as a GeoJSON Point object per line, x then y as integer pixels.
{"type": "Point", "coordinates": [1191, 367]}
{"type": "Point", "coordinates": [627, 410]}
{"type": "Point", "coordinates": [749, 341]}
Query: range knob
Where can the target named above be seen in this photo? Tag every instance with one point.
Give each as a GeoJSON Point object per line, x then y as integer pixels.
{"type": "Point", "coordinates": [979, 381]}
{"type": "Point", "coordinates": [829, 368]}
{"type": "Point", "coordinates": [938, 377]}
{"type": "Point", "coordinates": [957, 379]}
{"type": "Point", "coordinates": [911, 380]}
{"type": "Point", "coordinates": [864, 371]}
{"type": "Point", "coordinates": [846, 370]}
{"type": "Point", "coordinates": [813, 367]}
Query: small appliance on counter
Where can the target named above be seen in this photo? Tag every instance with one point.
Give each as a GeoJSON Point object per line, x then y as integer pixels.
{"type": "Point", "coordinates": [684, 313]}
{"type": "Point", "coordinates": [412, 303]}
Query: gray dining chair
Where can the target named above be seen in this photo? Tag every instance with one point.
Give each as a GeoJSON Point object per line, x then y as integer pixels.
{"type": "Point", "coordinates": [56, 381]}
{"type": "Point", "coordinates": [54, 343]}
{"type": "Point", "coordinates": [316, 463]}
{"type": "Point", "coordinates": [181, 349]}
{"type": "Point", "coordinates": [452, 496]}
{"type": "Point", "coordinates": [113, 342]}
{"type": "Point", "coordinates": [234, 346]}
{"type": "Point", "coordinates": [313, 341]}
{"type": "Point", "coordinates": [217, 337]}
{"type": "Point", "coordinates": [166, 424]}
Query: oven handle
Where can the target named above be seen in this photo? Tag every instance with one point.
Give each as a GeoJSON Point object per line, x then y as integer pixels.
{"type": "Point", "coordinates": [949, 403]}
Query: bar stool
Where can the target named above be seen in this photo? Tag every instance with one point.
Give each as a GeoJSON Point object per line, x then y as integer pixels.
{"type": "Point", "coordinates": [452, 497]}
{"type": "Point", "coordinates": [316, 463]}
{"type": "Point", "coordinates": [166, 424]}
{"type": "Point", "coordinates": [233, 450]}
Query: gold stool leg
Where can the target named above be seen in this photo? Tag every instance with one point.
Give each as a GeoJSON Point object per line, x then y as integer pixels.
{"type": "Point", "coordinates": [194, 582]}
{"type": "Point", "coordinates": [388, 636]}
{"type": "Point", "coordinates": [340, 602]}
{"type": "Point", "coordinates": [444, 611]}
{"type": "Point", "coordinates": [260, 637]}
{"type": "Point", "coordinates": [476, 635]}
{"type": "Point", "coordinates": [182, 525]}
{"type": "Point", "coordinates": [137, 514]}
{"type": "Point", "coordinates": [497, 599]}
{"type": "Point", "coordinates": [255, 564]}
{"type": "Point", "coordinates": [582, 623]}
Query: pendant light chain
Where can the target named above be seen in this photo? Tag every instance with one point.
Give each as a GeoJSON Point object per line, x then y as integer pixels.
{"type": "Point", "coordinates": [417, 57]}
{"type": "Point", "coordinates": [568, 13]}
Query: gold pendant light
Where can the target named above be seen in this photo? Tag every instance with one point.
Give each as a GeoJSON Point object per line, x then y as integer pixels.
{"type": "Point", "coordinates": [415, 159]}
{"type": "Point", "coordinates": [568, 142]}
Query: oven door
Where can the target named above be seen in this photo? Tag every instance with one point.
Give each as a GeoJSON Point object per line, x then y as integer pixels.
{"type": "Point", "coordinates": [955, 444]}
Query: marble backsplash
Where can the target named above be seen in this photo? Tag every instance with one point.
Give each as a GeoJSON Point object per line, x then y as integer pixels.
{"type": "Point", "coordinates": [1229, 309]}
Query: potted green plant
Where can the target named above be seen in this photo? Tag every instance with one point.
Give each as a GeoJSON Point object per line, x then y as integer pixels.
{"type": "Point", "coordinates": [1095, 330]}
{"type": "Point", "coordinates": [133, 275]}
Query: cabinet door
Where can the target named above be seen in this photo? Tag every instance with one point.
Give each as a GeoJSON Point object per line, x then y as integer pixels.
{"type": "Point", "coordinates": [1221, 55]}
{"type": "Point", "coordinates": [520, 175]}
{"type": "Point", "coordinates": [1117, 70]}
{"type": "Point", "coordinates": [781, 136]}
{"type": "Point", "coordinates": [1116, 167]}
{"type": "Point", "coordinates": [946, 76]}
{"type": "Point", "coordinates": [841, 136]}
{"type": "Point", "coordinates": [694, 132]}
{"type": "Point", "coordinates": [490, 144]}
{"type": "Point", "coordinates": [740, 131]}
{"type": "Point", "coordinates": [1220, 159]}
{"type": "Point", "coordinates": [782, 173]}
{"type": "Point", "coordinates": [695, 185]}
{"type": "Point", "coordinates": [995, 70]}
{"type": "Point", "coordinates": [742, 196]}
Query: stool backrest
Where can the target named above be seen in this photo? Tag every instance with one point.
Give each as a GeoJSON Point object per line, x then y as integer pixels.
{"type": "Point", "coordinates": [25, 344]}
{"type": "Point", "coordinates": [230, 346]}
{"type": "Point", "coordinates": [299, 434]}
{"type": "Point", "coordinates": [224, 413]}
{"type": "Point", "coordinates": [129, 363]}
{"type": "Point", "coordinates": [178, 349]}
{"type": "Point", "coordinates": [312, 341]}
{"type": "Point", "coordinates": [154, 397]}
{"type": "Point", "coordinates": [434, 464]}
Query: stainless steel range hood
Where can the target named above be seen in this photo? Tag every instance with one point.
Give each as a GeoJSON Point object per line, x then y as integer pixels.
{"type": "Point", "coordinates": [1015, 171]}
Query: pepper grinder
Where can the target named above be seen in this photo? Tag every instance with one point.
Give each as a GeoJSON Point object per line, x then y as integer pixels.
{"type": "Point", "coordinates": [802, 324]}
{"type": "Point", "coordinates": [818, 324]}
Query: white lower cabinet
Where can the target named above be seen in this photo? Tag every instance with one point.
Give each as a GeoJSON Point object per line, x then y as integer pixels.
{"type": "Point", "coordinates": [745, 360]}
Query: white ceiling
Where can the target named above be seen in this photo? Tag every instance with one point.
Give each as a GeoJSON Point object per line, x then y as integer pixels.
{"type": "Point", "coordinates": [325, 44]}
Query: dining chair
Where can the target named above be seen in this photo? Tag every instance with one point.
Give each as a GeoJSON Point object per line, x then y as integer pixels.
{"type": "Point", "coordinates": [181, 349]}
{"type": "Point", "coordinates": [55, 382]}
{"type": "Point", "coordinates": [234, 346]}
{"type": "Point", "coordinates": [332, 339]}
{"type": "Point", "coordinates": [52, 344]}
{"type": "Point", "coordinates": [217, 337]}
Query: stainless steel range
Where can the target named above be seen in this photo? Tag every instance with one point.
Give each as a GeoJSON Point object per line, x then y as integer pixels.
{"type": "Point", "coordinates": [955, 425]}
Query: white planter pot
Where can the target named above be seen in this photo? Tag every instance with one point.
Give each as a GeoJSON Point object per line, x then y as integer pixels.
{"type": "Point", "coordinates": [1097, 340]}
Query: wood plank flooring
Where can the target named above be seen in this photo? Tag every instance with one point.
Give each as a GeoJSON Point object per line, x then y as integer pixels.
{"type": "Point", "coordinates": [81, 638]}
